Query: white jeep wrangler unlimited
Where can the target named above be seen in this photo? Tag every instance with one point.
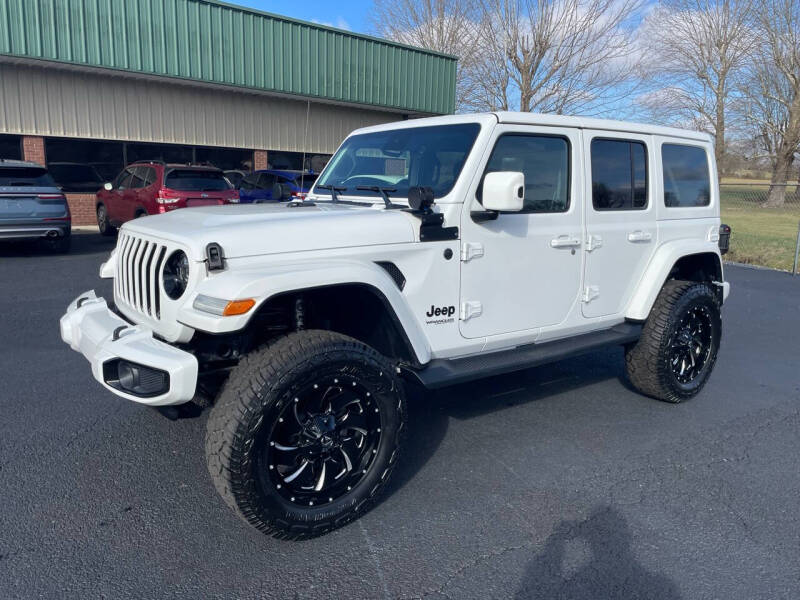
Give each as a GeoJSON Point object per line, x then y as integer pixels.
{"type": "Point", "coordinates": [434, 251]}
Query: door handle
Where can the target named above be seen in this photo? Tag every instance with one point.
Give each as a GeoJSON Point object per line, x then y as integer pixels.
{"type": "Point", "coordinates": [640, 236]}
{"type": "Point", "coordinates": [564, 241]}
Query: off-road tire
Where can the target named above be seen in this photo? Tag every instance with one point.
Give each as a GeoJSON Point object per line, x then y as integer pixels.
{"type": "Point", "coordinates": [648, 360]}
{"type": "Point", "coordinates": [106, 228]}
{"type": "Point", "coordinates": [244, 416]}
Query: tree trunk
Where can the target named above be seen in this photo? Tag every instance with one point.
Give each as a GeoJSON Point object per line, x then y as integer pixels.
{"type": "Point", "coordinates": [776, 196]}
{"type": "Point", "coordinates": [719, 136]}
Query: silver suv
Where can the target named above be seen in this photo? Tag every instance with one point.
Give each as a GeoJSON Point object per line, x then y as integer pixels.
{"type": "Point", "coordinates": [32, 206]}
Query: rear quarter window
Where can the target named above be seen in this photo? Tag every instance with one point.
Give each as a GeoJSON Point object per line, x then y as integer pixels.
{"type": "Point", "coordinates": [25, 177]}
{"type": "Point", "coordinates": [192, 180]}
{"type": "Point", "coordinates": [687, 180]}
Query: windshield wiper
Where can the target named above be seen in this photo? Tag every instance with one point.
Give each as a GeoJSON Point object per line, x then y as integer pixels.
{"type": "Point", "coordinates": [383, 191]}
{"type": "Point", "coordinates": [334, 191]}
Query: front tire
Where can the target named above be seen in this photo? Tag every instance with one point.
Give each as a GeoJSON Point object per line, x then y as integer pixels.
{"type": "Point", "coordinates": [306, 433]}
{"type": "Point", "coordinates": [105, 227]}
{"type": "Point", "coordinates": [675, 355]}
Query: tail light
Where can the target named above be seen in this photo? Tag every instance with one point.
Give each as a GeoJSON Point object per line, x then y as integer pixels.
{"type": "Point", "coordinates": [298, 195]}
{"type": "Point", "coordinates": [167, 196]}
{"type": "Point", "coordinates": [234, 199]}
{"type": "Point", "coordinates": [724, 238]}
{"type": "Point", "coordinates": [62, 198]}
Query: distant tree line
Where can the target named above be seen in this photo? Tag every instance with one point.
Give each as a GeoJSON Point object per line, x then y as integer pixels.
{"type": "Point", "coordinates": [727, 67]}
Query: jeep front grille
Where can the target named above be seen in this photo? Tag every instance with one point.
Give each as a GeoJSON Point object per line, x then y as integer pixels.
{"type": "Point", "coordinates": [138, 281]}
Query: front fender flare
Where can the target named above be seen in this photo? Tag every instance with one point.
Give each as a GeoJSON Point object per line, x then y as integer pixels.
{"type": "Point", "coordinates": [263, 283]}
{"type": "Point", "coordinates": [658, 270]}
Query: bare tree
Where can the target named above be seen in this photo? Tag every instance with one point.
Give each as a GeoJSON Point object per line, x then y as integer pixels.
{"type": "Point", "coordinates": [772, 103]}
{"type": "Point", "coordinates": [696, 50]}
{"type": "Point", "coordinates": [554, 56]}
{"type": "Point", "coordinates": [448, 26]}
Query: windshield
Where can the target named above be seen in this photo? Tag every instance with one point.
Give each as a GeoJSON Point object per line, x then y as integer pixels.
{"type": "Point", "coordinates": [400, 159]}
{"type": "Point", "coordinates": [195, 180]}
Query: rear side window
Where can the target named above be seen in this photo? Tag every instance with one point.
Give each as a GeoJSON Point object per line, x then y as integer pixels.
{"type": "Point", "coordinates": [544, 160]}
{"type": "Point", "coordinates": [619, 175]}
{"type": "Point", "coordinates": [306, 180]}
{"type": "Point", "coordinates": [25, 177]}
{"type": "Point", "coordinates": [195, 180]}
{"type": "Point", "coordinates": [686, 176]}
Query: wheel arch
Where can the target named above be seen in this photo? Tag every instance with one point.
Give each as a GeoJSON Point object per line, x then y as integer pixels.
{"type": "Point", "coordinates": [692, 261]}
{"type": "Point", "coordinates": [356, 298]}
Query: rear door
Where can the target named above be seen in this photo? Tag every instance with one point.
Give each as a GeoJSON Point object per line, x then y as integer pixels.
{"type": "Point", "coordinates": [621, 227]}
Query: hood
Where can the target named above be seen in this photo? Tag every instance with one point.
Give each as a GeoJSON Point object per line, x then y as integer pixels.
{"type": "Point", "coordinates": [258, 229]}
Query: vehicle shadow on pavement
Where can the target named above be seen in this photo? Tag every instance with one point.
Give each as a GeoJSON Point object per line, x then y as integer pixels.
{"type": "Point", "coordinates": [429, 412]}
{"type": "Point", "coordinates": [592, 559]}
{"type": "Point", "coordinates": [82, 243]}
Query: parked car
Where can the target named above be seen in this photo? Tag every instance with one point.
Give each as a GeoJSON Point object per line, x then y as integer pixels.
{"type": "Point", "coordinates": [75, 177]}
{"type": "Point", "coordinates": [150, 188]}
{"type": "Point", "coordinates": [274, 185]}
{"type": "Point", "coordinates": [32, 207]}
{"type": "Point", "coordinates": [510, 240]}
{"type": "Point", "coordinates": [235, 177]}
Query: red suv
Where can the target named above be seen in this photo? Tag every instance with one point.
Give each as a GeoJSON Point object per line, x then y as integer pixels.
{"type": "Point", "coordinates": [150, 188]}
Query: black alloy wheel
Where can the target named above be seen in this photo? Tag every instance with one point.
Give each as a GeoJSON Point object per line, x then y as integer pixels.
{"type": "Point", "coordinates": [690, 346]}
{"type": "Point", "coordinates": [323, 442]}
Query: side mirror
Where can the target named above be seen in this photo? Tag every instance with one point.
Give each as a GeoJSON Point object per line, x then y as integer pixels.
{"type": "Point", "coordinates": [504, 191]}
{"type": "Point", "coordinates": [108, 187]}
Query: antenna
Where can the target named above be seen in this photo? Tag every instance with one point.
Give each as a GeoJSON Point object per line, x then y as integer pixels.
{"type": "Point", "coordinates": [305, 145]}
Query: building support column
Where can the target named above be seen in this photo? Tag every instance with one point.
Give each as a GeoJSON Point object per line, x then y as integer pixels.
{"type": "Point", "coordinates": [260, 160]}
{"type": "Point", "coordinates": [33, 149]}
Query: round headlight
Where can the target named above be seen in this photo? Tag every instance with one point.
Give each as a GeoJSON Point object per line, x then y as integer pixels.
{"type": "Point", "coordinates": [176, 274]}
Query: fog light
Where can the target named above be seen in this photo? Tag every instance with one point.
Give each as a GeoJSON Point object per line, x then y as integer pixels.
{"type": "Point", "coordinates": [135, 379]}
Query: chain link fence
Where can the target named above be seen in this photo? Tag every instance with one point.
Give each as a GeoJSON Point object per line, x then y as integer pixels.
{"type": "Point", "coordinates": [766, 231]}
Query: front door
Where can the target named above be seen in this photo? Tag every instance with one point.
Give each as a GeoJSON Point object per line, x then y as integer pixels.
{"type": "Point", "coordinates": [620, 219]}
{"type": "Point", "coordinates": [522, 270]}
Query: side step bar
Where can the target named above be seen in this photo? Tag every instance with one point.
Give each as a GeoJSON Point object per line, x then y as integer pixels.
{"type": "Point", "coordinates": [442, 372]}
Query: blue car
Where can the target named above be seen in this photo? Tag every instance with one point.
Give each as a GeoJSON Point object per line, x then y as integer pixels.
{"type": "Point", "coordinates": [274, 185]}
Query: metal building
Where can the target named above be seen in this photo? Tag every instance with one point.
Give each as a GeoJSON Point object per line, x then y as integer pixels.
{"type": "Point", "coordinates": [88, 85]}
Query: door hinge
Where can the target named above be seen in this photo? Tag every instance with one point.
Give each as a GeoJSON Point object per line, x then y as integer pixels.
{"type": "Point", "coordinates": [469, 309]}
{"type": "Point", "coordinates": [591, 292]}
{"type": "Point", "coordinates": [593, 241]}
{"type": "Point", "coordinates": [471, 250]}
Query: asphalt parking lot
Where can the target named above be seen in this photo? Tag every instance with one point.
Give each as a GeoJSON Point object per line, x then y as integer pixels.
{"type": "Point", "coordinates": [558, 482]}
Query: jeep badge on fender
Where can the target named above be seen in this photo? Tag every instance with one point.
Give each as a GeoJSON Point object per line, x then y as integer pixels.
{"type": "Point", "coordinates": [444, 311]}
{"type": "Point", "coordinates": [305, 324]}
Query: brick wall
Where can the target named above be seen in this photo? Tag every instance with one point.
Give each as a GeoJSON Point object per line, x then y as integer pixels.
{"type": "Point", "coordinates": [259, 160]}
{"type": "Point", "coordinates": [33, 149]}
{"type": "Point", "coordinates": [82, 208]}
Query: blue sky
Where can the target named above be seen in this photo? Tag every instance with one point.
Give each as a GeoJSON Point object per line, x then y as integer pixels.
{"type": "Point", "coordinates": [347, 14]}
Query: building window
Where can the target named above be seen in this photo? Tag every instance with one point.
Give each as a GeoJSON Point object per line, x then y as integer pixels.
{"type": "Point", "coordinates": [83, 165]}
{"type": "Point", "coordinates": [686, 178]}
{"type": "Point", "coordinates": [11, 147]}
{"type": "Point", "coordinates": [227, 159]}
{"type": "Point", "coordinates": [619, 175]}
{"type": "Point", "coordinates": [168, 153]}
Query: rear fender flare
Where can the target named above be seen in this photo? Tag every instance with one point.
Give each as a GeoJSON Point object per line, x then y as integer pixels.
{"type": "Point", "coordinates": [658, 271]}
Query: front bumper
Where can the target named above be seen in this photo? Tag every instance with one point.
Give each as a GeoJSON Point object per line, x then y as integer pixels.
{"type": "Point", "coordinates": [89, 327]}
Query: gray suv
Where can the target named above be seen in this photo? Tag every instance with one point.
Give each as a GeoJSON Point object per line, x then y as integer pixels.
{"type": "Point", "coordinates": [32, 206]}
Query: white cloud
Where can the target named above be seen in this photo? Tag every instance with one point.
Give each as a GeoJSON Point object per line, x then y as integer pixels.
{"type": "Point", "coordinates": [340, 23]}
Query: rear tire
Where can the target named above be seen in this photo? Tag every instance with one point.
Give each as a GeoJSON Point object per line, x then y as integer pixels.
{"type": "Point", "coordinates": [306, 433]}
{"type": "Point", "coordinates": [106, 228]}
{"type": "Point", "coordinates": [675, 355]}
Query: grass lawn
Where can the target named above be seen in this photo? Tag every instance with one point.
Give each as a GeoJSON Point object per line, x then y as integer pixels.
{"type": "Point", "coordinates": [762, 236]}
